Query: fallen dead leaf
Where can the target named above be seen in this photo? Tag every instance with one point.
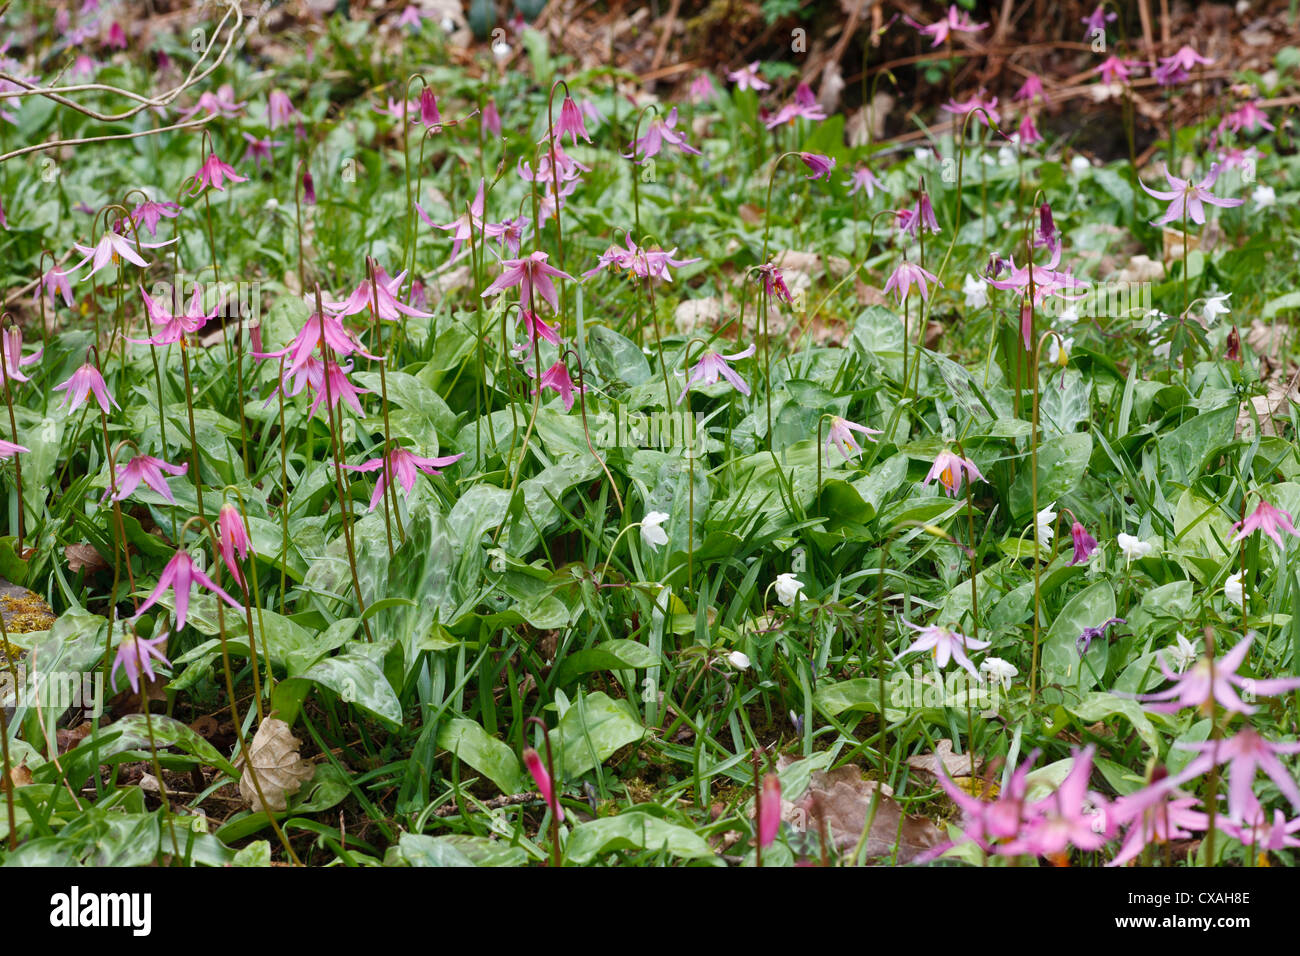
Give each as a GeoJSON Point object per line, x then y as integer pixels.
{"type": "Point", "coordinates": [19, 776]}
{"type": "Point", "coordinates": [954, 765]}
{"type": "Point", "coordinates": [83, 557]}
{"type": "Point", "coordinates": [280, 771]}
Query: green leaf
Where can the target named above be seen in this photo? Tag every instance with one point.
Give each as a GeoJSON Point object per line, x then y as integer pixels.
{"type": "Point", "coordinates": [633, 830]}
{"type": "Point", "coordinates": [489, 756]}
{"type": "Point", "coordinates": [591, 730]}
{"type": "Point", "coordinates": [1091, 607]}
{"type": "Point", "coordinates": [611, 655]}
{"type": "Point", "coordinates": [1100, 704]}
{"type": "Point", "coordinates": [1062, 462]}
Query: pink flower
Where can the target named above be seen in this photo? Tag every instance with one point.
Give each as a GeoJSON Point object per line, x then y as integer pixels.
{"type": "Point", "coordinates": [364, 296]}
{"type": "Point", "coordinates": [841, 437]}
{"type": "Point", "coordinates": [533, 761]}
{"type": "Point", "coordinates": [175, 327]}
{"type": "Point", "coordinates": [280, 110]}
{"type": "Point", "coordinates": [1268, 520]}
{"type": "Point", "coordinates": [492, 118]}
{"type": "Point", "coordinates": [1115, 70]}
{"type": "Point", "coordinates": [1196, 689]}
{"type": "Point", "coordinates": [1028, 132]}
{"type": "Point", "coordinates": [1048, 235]}
{"type": "Point", "coordinates": [11, 340]}
{"type": "Point", "coordinates": [402, 464]}
{"type": "Point", "coordinates": [554, 163]}
{"type": "Point", "coordinates": [1071, 816]}
{"type": "Point", "coordinates": [8, 449]}
{"type": "Point", "coordinates": [56, 283]}
{"type": "Point", "coordinates": [940, 31]}
{"type": "Point", "coordinates": [1031, 89]}
{"type": "Point", "coordinates": [1084, 543]}
{"type": "Point", "coordinates": [1263, 835]}
{"type": "Point", "coordinates": [805, 105]}
{"type": "Point", "coordinates": [945, 644]}
{"type": "Point", "coordinates": [747, 78]}
{"type": "Point", "coordinates": [136, 654]}
{"type": "Point", "coordinates": [713, 365]}
{"type": "Point", "coordinates": [1174, 69]}
{"type": "Point", "coordinates": [1246, 754]}
{"type": "Point", "coordinates": [411, 17]}
{"type": "Point", "coordinates": [214, 172]}
{"type": "Point", "coordinates": [331, 332]}
{"type": "Point", "coordinates": [308, 188]}
{"type": "Point", "coordinates": [864, 179]}
{"type": "Point", "coordinates": [85, 381]}
{"type": "Point", "coordinates": [429, 114]}
{"type": "Point", "coordinates": [537, 328]}
{"type": "Point", "coordinates": [918, 217]}
{"type": "Point", "coordinates": [112, 247]}
{"type": "Point", "coordinates": [774, 283]}
{"type": "Point", "coordinates": [232, 539]}
{"type": "Point", "coordinates": [769, 810]}
{"type": "Point", "coordinates": [1248, 117]}
{"type": "Point", "coordinates": [259, 149]}
{"type": "Point", "coordinates": [221, 103]}
{"type": "Point", "coordinates": [1184, 196]}
{"type": "Point", "coordinates": [701, 88]}
{"type": "Point", "coordinates": [149, 212]}
{"type": "Point", "coordinates": [1154, 814]}
{"type": "Point", "coordinates": [148, 469]}
{"type": "Point", "coordinates": [571, 122]}
{"type": "Point", "coordinates": [1097, 20]}
{"type": "Point", "coordinates": [988, 822]}
{"type": "Point", "coordinates": [463, 226]}
{"type": "Point", "coordinates": [180, 575]}
{"type": "Point", "coordinates": [116, 37]}
{"type": "Point", "coordinates": [951, 470]}
{"type": "Point", "coordinates": [510, 233]}
{"type": "Point", "coordinates": [907, 275]}
{"type": "Point", "coordinates": [821, 166]}
{"type": "Point", "coordinates": [661, 131]}
{"type": "Point", "coordinates": [557, 379]}
{"type": "Point", "coordinates": [976, 102]}
{"type": "Point", "coordinates": [333, 384]}
{"type": "Point", "coordinates": [529, 273]}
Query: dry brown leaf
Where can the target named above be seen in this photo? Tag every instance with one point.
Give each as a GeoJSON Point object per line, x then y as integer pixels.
{"type": "Point", "coordinates": [1272, 407]}
{"type": "Point", "coordinates": [954, 765]}
{"type": "Point", "coordinates": [84, 557]}
{"type": "Point", "coordinates": [19, 776]}
{"type": "Point", "coordinates": [281, 772]}
{"type": "Point", "coordinates": [842, 799]}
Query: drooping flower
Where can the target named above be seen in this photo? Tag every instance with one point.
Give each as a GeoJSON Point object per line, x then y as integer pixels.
{"type": "Point", "coordinates": [1267, 520]}
{"type": "Point", "coordinates": [821, 166]}
{"type": "Point", "coordinates": [492, 118]}
{"type": "Point", "coordinates": [557, 379]}
{"type": "Point", "coordinates": [769, 810]}
{"type": "Point", "coordinates": [1182, 653]}
{"type": "Point", "coordinates": [661, 131]}
{"type": "Point", "coordinates": [55, 282]}
{"type": "Point", "coordinates": [1031, 89]}
{"type": "Point", "coordinates": [1113, 69]}
{"type": "Point", "coordinates": [463, 226]}
{"type": "Point", "coordinates": [1246, 754]}
{"type": "Point", "coordinates": [1133, 548]}
{"type": "Point", "coordinates": [1048, 235]}
{"type": "Point", "coordinates": [175, 327]}
{"type": "Point", "coordinates": [863, 178]}
{"type": "Point", "coordinates": [1196, 688]}
{"type": "Point", "coordinates": [1027, 131]}
{"type": "Point", "coordinates": [329, 381]}
{"type": "Point", "coordinates": [220, 103]}
{"type": "Point", "coordinates": [533, 761]}
{"type": "Point", "coordinates": [402, 465]}
{"type": "Point", "coordinates": [939, 31]}
{"type": "Point", "coordinates": [214, 172]}
{"type": "Point", "coordinates": [1154, 815]}
{"type": "Point", "coordinates": [1233, 590]}
{"type": "Point", "coordinates": [110, 248]}
{"type": "Point", "coordinates": [747, 78]}
{"type": "Point", "coordinates": [11, 340]}
{"type": "Point", "coordinates": [1043, 520]}
{"type": "Point", "coordinates": [987, 107]}
{"type": "Point", "coordinates": [1070, 816]}
{"type": "Point", "coordinates": [259, 149]}
{"type": "Point", "coordinates": [1175, 69]}
{"type": "Point", "coordinates": [1186, 197]}
{"type": "Point", "coordinates": [531, 273]}
{"type": "Point", "coordinates": [1097, 20]}
{"type": "Point", "coordinates": [907, 275]}
{"type": "Point", "coordinates": [232, 539]}
{"type": "Point", "coordinates": [382, 292]}
{"type": "Point", "coordinates": [951, 470]}
{"type": "Point", "coordinates": [840, 437]}
{"type": "Point", "coordinates": [944, 644]}
{"type": "Point", "coordinates": [1083, 643]}
{"type": "Point", "coordinates": [280, 110]}
{"type": "Point", "coordinates": [571, 122]}
{"type": "Point", "coordinates": [83, 382]}
{"type": "Point", "coordinates": [995, 668]}
{"type": "Point", "coordinates": [701, 88]}
{"type": "Point", "coordinates": [713, 365]}
{"type": "Point", "coordinates": [148, 213]}
{"type": "Point", "coordinates": [136, 654]}
{"type": "Point", "coordinates": [652, 532]}
{"type": "Point", "coordinates": [537, 328]}
{"type": "Point", "coordinates": [804, 106]}
{"type": "Point", "coordinates": [429, 114]}
{"type": "Point", "coordinates": [8, 449]}
{"type": "Point", "coordinates": [1249, 117]}
{"type": "Point", "coordinates": [788, 589]}
{"type": "Point", "coordinates": [148, 469]}
{"type": "Point", "coordinates": [180, 575]}
{"type": "Point", "coordinates": [1084, 543]}
{"type": "Point", "coordinates": [921, 216]}
{"type": "Point", "coordinates": [976, 291]}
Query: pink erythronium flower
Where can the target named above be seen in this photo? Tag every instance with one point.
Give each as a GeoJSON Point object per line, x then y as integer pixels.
{"type": "Point", "coordinates": [1249, 117]}
{"type": "Point", "coordinates": [989, 822]}
{"type": "Point", "coordinates": [383, 291]}
{"type": "Point", "coordinates": [1174, 69]}
{"type": "Point", "coordinates": [510, 233]}
{"type": "Point", "coordinates": [939, 31]}
{"type": "Point", "coordinates": [136, 654]}
{"type": "Point", "coordinates": [1268, 520]}
{"type": "Point", "coordinates": [214, 172]}
{"type": "Point", "coordinates": [280, 110]}
{"type": "Point", "coordinates": [821, 166]}
{"type": "Point", "coordinates": [11, 340]}
{"type": "Point", "coordinates": [149, 212]}
{"type": "Point", "coordinates": [701, 88]}
{"type": "Point", "coordinates": [232, 539]}
{"type": "Point", "coordinates": [8, 449]}
{"type": "Point", "coordinates": [116, 37]}
{"type": "Point", "coordinates": [1084, 543]}
{"type": "Point", "coordinates": [864, 179]}
{"type": "Point", "coordinates": [988, 108]}
{"type": "Point", "coordinates": [221, 103]}
{"type": "Point", "coordinates": [841, 438]}
{"type": "Point", "coordinates": [56, 282]}
{"type": "Point", "coordinates": [259, 149]}
{"type": "Point", "coordinates": [951, 470]}
{"type": "Point", "coordinates": [332, 383]}
{"type": "Point", "coordinates": [545, 786]}
{"type": "Point", "coordinates": [180, 575]}
{"type": "Point", "coordinates": [537, 327]}
{"type": "Point", "coordinates": [1113, 69]}
{"type": "Point", "coordinates": [331, 333]}
{"type": "Point", "coordinates": [1246, 754]}
{"type": "Point", "coordinates": [463, 226]}
{"type": "Point", "coordinates": [713, 365]}
{"type": "Point", "coordinates": [411, 17]}
{"type": "Point", "coordinates": [1188, 198]}
{"type": "Point", "coordinates": [1027, 131]}
{"type": "Point", "coordinates": [907, 275]}
{"type": "Point", "coordinates": [402, 464]}
{"type": "Point", "coordinates": [774, 283]}
{"type": "Point", "coordinates": [531, 273]}
{"type": "Point", "coordinates": [769, 810]}
{"type": "Point", "coordinates": [1031, 89]}
{"type": "Point", "coordinates": [919, 217]}
{"type": "Point", "coordinates": [1154, 814]}
{"type": "Point", "coordinates": [1070, 816]}
{"type": "Point", "coordinates": [1097, 20]}
{"type": "Point", "coordinates": [1262, 834]}
{"type": "Point", "coordinates": [148, 469]}
{"type": "Point", "coordinates": [661, 131]}
{"type": "Point", "coordinates": [429, 114]}
{"type": "Point", "coordinates": [557, 379]}
{"type": "Point", "coordinates": [175, 327]}
{"type": "Point", "coordinates": [308, 188]}
{"type": "Point", "coordinates": [492, 118]}
{"type": "Point", "coordinates": [571, 122]}
{"type": "Point", "coordinates": [110, 248]}
{"type": "Point", "coordinates": [553, 164]}
{"type": "Point", "coordinates": [805, 105]}
{"type": "Point", "coordinates": [1195, 688]}
{"type": "Point", "coordinates": [83, 382]}
{"type": "Point", "coordinates": [747, 78]}
{"type": "Point", "coordinates": [944, 644]}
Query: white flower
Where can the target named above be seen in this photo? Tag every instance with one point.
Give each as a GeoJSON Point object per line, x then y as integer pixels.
{"type": "Point", "coordinates": [921, 154]}
{"type": "Point", "coordinates": [1044, 522]}
{"type": "Point", "coordinates": [999, 670]}
{"type": "Point", "coordinates": [738, 660]}
{"type": "Point", "coordinates": [1232, 589]}
{"type": "Point", "coordinates": [501, 49]}
{"type": "Point", "coordinates": [1006, 156]}
{"type": "Point", "coordinates": [1182, 653]}
{"type": "Point", "coordinates": [651, 532]}
{"type": "Point", "coordinates": [976, 291]}
{"type": "Point", "coordinates": [1133, 548]}
{"type": "Point", "coordinates": [1264, 196]}
{"type": "Point", "coordinates": [788, 587]}
{"type": "Point", "coordinates": [1054, 353]}
{"type": "Point", "coordinates": [1080, 164]}
{"type": "Point", "coordinates": [1215, 306]}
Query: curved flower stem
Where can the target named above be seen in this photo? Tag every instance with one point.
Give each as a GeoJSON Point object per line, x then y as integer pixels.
{"type": "Point", "coordinates": [284, 494]}
{"type": "Point", "coordinates": [335, 442]}
{"type": "Point", "coordinates": [390, 505]}
{"type": "Point", "coordinates": [411, 230]}
{"type": "Point", "coordinates": [1033, 485]}
{"type": "Point", "coordinates": [659, 338]}
{"type": "Point", "coordinates": [13, 430]}
{"type": "Point", "coordinates": [636, 175]}
{"type": "Point", "coordinates": [555, 184]}
{"type": "Point", "coordinates": [250, 593]}
{"type": "Point", "coordinates": [555, 790]}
